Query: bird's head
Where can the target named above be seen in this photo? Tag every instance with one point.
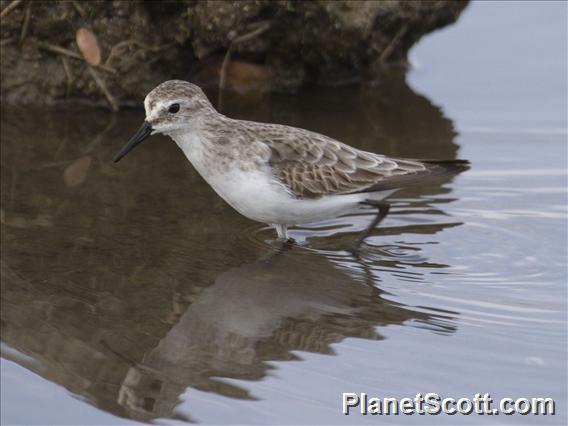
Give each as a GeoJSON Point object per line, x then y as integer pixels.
{"type": "Point", "coordinates": [173, 106]}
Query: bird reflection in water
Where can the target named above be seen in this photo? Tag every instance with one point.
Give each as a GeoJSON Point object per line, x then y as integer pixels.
{"type": "Point", "coordinates": [260, 312]}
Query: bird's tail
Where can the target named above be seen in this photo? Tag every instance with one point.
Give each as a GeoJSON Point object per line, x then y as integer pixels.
{"type": "Point", "coordinates": [434, 170]}
{"type": "Point", "coordinates": [447, 167]}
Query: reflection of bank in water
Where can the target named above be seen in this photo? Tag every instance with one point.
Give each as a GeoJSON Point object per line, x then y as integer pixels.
{"type": "Point", "coordinates": [387, 118]}
{"type": "Point", "coordinates": [257, 313]}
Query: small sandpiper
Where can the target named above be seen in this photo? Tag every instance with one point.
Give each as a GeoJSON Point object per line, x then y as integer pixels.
{"type": "Point", "coordinates": [276, 174]}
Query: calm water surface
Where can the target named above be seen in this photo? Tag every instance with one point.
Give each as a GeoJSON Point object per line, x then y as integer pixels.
{"type": "Point", "coordinates": [134, 293]}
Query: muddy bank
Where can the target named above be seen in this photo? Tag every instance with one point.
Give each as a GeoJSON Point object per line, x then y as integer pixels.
{"type": "Point", "coordinates": [272, 45]}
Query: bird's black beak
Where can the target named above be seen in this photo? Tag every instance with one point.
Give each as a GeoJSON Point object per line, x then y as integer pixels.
{"type": "Point", "coordinates": [143, 132]}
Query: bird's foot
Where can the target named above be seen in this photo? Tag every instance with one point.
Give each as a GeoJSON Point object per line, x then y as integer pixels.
{"type": "Point", "coordinates": [286, 243]}
{"type": "Point", "coordinates": [282, 246]}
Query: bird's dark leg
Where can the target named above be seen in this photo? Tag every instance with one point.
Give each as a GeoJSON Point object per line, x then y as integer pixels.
{"type": "Point", "coordinates": [382, 210]}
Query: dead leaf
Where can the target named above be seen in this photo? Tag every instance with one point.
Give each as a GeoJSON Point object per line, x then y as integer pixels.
{"type": "Point", "coordinates": [76, 173]}
{"type": "Point", "coordinates": [88, 46]}
{"type": "Point", "coordinates": [249, 79]}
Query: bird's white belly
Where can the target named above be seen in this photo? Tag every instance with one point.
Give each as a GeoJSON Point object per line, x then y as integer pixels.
{"type": "Point", "coordinates": [255, 196]}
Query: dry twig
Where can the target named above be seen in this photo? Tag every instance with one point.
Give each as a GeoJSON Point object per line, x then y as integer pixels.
{"type": "Point", "coordinates": [261, 28]}
{"type": "Point", "coordinates": [68, 75]}
{"type": "Point", "coordinates": [26, 23]}
{"type": "Point", "coordinates": [114, 51]}
{"type": "Point", "coordinates": [390, 47]}
{"type": "Point", "coordinates": [62, 51]}
{"type": "Point", "coordinates": [98, 80]}
{"type": "Point", "coordinates": [79, 8]}
{"type": "Point", "coordinates": [101, 84]}
{"type": "Point", "coordinates": [9, 8]}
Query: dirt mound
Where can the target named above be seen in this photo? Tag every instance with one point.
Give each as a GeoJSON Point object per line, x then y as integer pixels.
{"type": "Point", "coordinates": [142, 43]}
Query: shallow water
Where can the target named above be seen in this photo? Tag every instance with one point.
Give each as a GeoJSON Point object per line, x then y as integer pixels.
{"type": "Point", "coordinates": [132, 292]}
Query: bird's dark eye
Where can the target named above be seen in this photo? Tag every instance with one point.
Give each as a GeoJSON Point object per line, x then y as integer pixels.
{"type": "Point", "coordinates": [173, 108]}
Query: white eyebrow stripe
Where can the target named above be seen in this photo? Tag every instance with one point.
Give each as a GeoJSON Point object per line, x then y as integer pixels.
{"type": "Point", "coordinates": [159, 105]}
{"type": "Point", "coordinates": [147, 105]}
{"type": "Point", "coordinates": [154, 112]}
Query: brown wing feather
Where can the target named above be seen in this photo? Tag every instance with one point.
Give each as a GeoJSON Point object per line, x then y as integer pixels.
{"type": "Point", "coordinates": [312, 165]}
